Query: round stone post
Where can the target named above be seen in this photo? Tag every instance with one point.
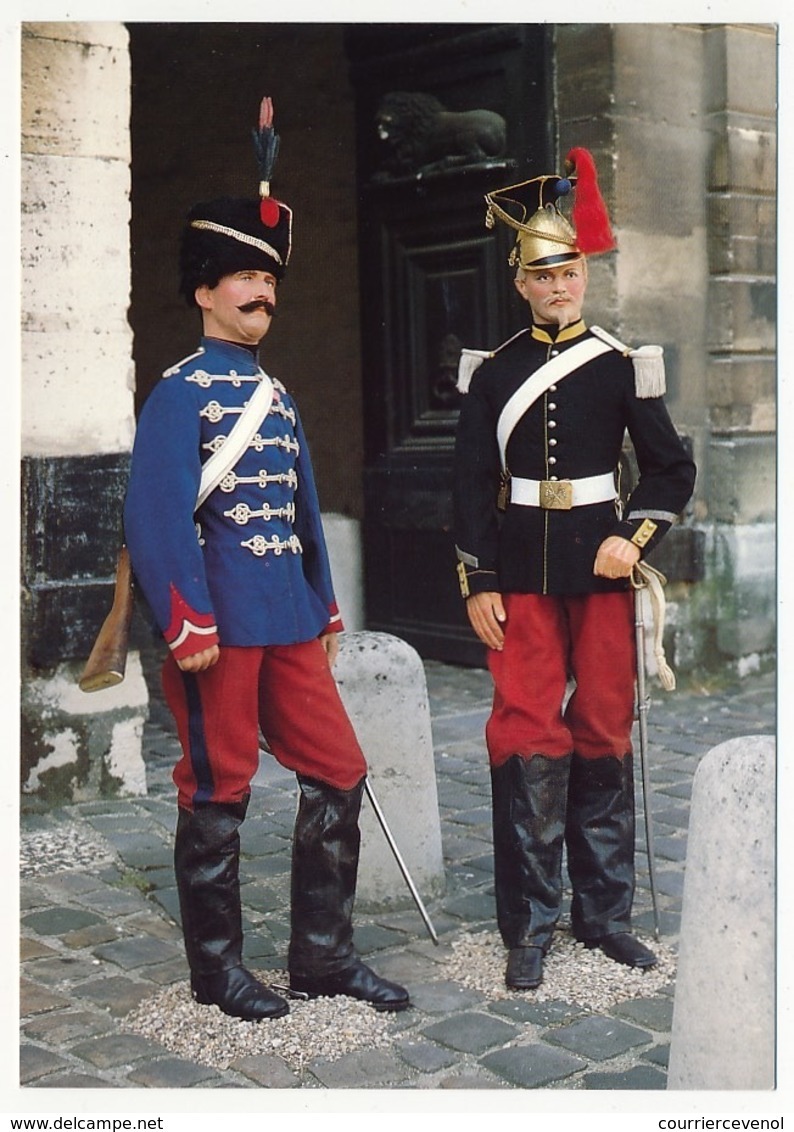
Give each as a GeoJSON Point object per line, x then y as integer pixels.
{"type": "Point", "coordinates": [724, 1014]}
{"type": "Point", "coordinates": [382, 684]}
{"type": "Point", "coordinates": [343, 539]}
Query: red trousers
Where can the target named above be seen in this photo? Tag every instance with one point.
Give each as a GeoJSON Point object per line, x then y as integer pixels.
{"type": "Point", "coordinates": [549, 639]}
{"type": "Point", "coordinates": [286, 690]}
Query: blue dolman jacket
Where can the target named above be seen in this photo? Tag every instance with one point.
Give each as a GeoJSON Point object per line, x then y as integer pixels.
{"type": "Point", "coordinates": [250, 567]}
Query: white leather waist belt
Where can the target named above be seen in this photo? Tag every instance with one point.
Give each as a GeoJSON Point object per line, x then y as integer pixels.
{"type": "Point", "coordinates": [562, 495]}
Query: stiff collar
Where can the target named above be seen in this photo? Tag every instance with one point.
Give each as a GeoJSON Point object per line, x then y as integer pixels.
{"type": "Point", "coordinates": [575, 330]}
{"type": "Point", "coordinates": [232, 349]}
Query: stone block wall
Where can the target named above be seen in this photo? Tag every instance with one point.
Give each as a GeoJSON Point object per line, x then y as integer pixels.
{"type": "Point", "coordinates": [75, 270]}
{"type": "Point", "coordinates": [740, 458]}
{"type": "Point", "coordinates": [682, 121]}
{"type": "Point", "coordinates": [77, 403]}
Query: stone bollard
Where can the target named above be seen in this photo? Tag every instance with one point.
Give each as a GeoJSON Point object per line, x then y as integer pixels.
{"type": "Point", "coordinates": [382, 684]}
{"type": "Point", "coordinates": [724, 1013]}
{"type": "Point", "coordinates": [343, 539]}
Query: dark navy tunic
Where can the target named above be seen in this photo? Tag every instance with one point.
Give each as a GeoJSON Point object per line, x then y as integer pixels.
{"type": "Point", "coordinates": [575, 429]}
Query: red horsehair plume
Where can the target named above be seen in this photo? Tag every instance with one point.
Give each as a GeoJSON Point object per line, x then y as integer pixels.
{"type": "Point", "coordinates": [589, 216]}
{"type": "Point", "coordinates": [266, 148]}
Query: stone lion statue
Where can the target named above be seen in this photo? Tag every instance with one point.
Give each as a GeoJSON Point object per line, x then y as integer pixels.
{"type": "Point", "coordinates": [420, 135]}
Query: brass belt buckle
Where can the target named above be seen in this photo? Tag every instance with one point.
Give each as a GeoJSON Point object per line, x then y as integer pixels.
{"type": "Point", "coordinates": [556, 495]}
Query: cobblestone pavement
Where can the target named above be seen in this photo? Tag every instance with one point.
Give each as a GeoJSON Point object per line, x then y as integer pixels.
{"type": "Point", "coordinates": [99, 935]}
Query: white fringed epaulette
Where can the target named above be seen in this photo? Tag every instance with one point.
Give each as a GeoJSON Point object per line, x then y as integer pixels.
{"type": "Point", "coordinates": [649, 375]}
{"type": "Point", "coordinates": [471, 360]}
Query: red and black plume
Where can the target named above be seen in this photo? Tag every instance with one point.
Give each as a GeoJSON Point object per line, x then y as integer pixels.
{"type": "Point", "coordinates": [266, 143]}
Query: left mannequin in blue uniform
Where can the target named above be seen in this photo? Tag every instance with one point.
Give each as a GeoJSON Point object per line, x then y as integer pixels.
{"type": "Point", "coordinates": [241, 589]}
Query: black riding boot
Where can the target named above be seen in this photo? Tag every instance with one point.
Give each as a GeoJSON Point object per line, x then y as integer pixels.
{"type": "Point", "coordinates": [599, 837]}
{"type": "Point", "coordinates": [206, 862]}
{"type": "Point", "coordinates": [322, 958]}
{"type": "Point", "coordinates": [528, 802]}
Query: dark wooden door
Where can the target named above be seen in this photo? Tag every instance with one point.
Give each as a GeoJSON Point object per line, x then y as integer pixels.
{"type": "Point", "coordinates": [433, 279]}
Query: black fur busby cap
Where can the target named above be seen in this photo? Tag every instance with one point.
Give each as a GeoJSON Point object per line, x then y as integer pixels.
{"type": "Point", "coordinates": [232, 234]}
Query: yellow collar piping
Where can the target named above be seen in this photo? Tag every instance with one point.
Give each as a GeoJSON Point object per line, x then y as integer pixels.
{"type": "Point", "coordinates": [572, 331]}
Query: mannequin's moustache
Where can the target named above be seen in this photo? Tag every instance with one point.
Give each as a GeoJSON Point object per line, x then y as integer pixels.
{"type": "Point", "coordinates": [258, 305]}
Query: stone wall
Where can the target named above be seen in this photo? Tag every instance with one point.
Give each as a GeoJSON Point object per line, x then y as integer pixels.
{"type": "Point", "coordinates": [77, 403]}
{"type": "Point", "coordinates": [740, 107]}
{"type": "Point", "coordinates": [681, 120]}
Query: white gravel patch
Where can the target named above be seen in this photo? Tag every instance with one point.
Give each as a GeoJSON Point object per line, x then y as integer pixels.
{"type": "Point", "coordinates": [571, 973]}
{"type": "Point", "coordinates": [328, 1028]}
{"type": "Point", "coordinates": [67, 847]}
{"type": "Point", "coordinates": [320, 1028]}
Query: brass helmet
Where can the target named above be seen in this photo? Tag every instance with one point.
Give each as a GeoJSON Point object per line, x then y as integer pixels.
{"type": "Point", "coordinates": [545, 236]}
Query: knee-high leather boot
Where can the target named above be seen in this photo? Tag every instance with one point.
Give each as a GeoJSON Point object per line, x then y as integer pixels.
{"type": "Point", "coordinates": [528, 801]}
{"type": "Point", "coordinates": [322, 958]}
{"type": "Point", "coordinates": [599, 837]}
{"type": "Point", "coordinates": [206, 863]}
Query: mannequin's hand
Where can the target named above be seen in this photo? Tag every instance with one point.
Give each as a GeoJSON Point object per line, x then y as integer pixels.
{"type": "Point", "coordinates": [487, 616]}
{"type": "Point", "coordinates": [615, 558]}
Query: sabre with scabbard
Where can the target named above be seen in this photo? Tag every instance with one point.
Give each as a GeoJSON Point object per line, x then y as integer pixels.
{"type": "Point", "coordinates": [283, 989]}
{"type": "Point", "coordinates": [646, 578]}
{"type": "Point", "coordinates": [400, 862]}
{"type": "Point", "coordinates": [394, 848]}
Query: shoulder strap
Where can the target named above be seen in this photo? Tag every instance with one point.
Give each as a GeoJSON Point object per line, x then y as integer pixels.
{"type": "Point", "coordinates": [536, 385]}
{"type": "Point", "coordinates": [611, 340]}
{"type": "Point", "coordinates": [237, 441]}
